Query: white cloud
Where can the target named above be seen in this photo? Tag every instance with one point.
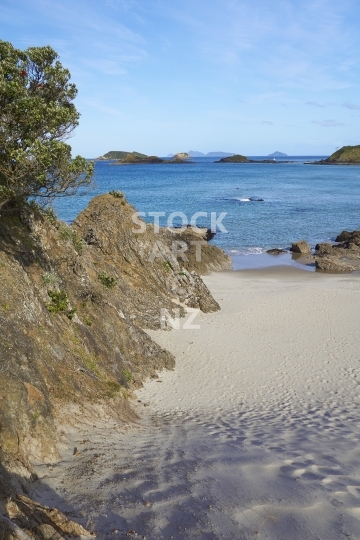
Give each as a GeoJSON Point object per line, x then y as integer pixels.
{"type": "Point", "coordinates": [351, 106]}
{"type": "Point", "coordinates": [314, 104]}
{"type": "Point", "coordinates": [327, 123]}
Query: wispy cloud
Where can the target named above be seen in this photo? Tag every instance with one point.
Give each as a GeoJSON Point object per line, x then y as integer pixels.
{"type": "Point", "coordinates": [267, 123]}
{"type": "Point", "coordinates": [327, 123]}
{"type": "Point", "coordinates": [351, 106]}
{"type": "Point", "coordinates": [314, 104]}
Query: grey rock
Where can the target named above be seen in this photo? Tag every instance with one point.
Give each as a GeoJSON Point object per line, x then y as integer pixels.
{"type": "Point", "coordinates": [331, 264]}
{"type": "Point", "coordinates": [301, 247]}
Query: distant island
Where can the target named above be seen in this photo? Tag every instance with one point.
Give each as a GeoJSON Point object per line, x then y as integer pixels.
{"type": "Point", "coordinates": [120, 154]}
{"type": "Point", "coordinates": [277, 154]}
{"type": "Point", "coordinates": [238, 158]}
{"type": "Point", "coordinates": [196, 153]}
{"type": "Point", "coordinates": [347, 155]}
{"type": "Point", "coordinates": [135, 158]}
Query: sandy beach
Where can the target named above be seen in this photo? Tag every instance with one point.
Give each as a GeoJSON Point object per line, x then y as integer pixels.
{"type": "Point", "coordinates": [255, 434]}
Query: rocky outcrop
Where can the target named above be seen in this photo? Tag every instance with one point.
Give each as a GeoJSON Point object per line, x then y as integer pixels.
{"type": "Point", "coordinates": [74, 303]}
{"type": "Point", "coordinates": [333, 265]}
{"type": "Point", "coordinates": [275, 251]}
{"type": "Point", "coordinates": [181, 155]}
{"type": "Point", "coordinates": [195, 253]}
{"type": "Point", "coordinates": [349, 237]}
{"type": "Point", "coordinates": [347, 155]}
{"type": "Point", "coordinates": [341, 257]}
{"type": "Point", "coordinates": [237, 158]}
{"type": "Point", "coordinates": [135, 159]}
{"type": "Point", "coordinates": [300, 247]}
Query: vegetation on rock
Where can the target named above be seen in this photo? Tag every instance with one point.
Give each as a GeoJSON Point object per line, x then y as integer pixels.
{"type": "Point", "coordinates": [346, 154]}
{"type": "Point", "coordinates": [234, 159]}
{"type": "Point", "coordinates": [120, 154]}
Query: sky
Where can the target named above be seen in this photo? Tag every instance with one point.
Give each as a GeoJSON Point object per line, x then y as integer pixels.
{"type": "Point", "coordinates": [166, 76]}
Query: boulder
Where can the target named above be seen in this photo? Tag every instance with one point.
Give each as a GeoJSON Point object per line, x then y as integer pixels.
{"type": "Point", "coordinates": [330, 264]}
{"type": "Point", "coordinates": [275, 251]}
{"type": "Point", "coordinates": [345, 236]}
{"type": "Point", "coordinates": [301, 247]}
{"type": "Point", "coordinates": [325, 248]}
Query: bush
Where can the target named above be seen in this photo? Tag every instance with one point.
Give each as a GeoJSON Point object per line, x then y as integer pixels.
{"type": "Point", "coordinates": [60, 304]}
{"type": "Point", "coordinates": [37, 116]}
{"type": "Point", "coordinates": [116, 194]}
{"type": "Point", "coordinates": [107, 281]}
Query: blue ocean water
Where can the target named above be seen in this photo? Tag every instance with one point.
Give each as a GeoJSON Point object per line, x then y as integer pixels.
{"type": "Point", "coordinates": [313, 202]}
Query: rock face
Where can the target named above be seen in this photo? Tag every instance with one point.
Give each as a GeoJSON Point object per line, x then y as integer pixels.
{"type": "Point", "coordinates": [331, 264]}
{"type": "Point", "coordinates": [73, 305]}
{"type": "Point", "coordinates": [198, 255]}
{"type": "Point", "coordinates": [182, 155]}
{"type": "Point", "coordinates": [341, 257]}
{"type": "Point", "coordinates": [275, 251]}
{"type": "Point", "coordinates": [301, 247]}
{"type": "Point", "coordinates": [349, 237]}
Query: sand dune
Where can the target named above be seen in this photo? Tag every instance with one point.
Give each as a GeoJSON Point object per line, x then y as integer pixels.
{"type": "Point", "coordinates": [254, 435]}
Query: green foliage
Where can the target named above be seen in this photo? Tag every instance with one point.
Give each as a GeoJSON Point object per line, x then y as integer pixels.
{"type": "Point", "coordinates": [346, 154]}
{"type": "Point", "coordinates": [60, 304]}
{"type": "Point", "coordinates": [113, 388]}
{"type": "Point", "coordinates": [50, 215]}
{"type": "Point", "coordinates": [50, 278]}
{"type": "Point", "coordinates": [116, 194]}
{"type": "Point", "coordinates": [107, 281]}
{"type": "Point", "coordinates": [67, 233]}
{"type": "Point", "coordinates": [238, 158]}
{"type": "Point", "coordinates": [127, 375]}
{"type": "Point", "coordinates": [91, 363]}
{"type": "Point", "coordinates": [37, 115]}
{"type": "Point", "coordinates": [167, 266]}
{"type": "Point", "coordinates": [119, 154]}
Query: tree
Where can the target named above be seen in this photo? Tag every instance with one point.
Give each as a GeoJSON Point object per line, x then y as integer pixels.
{"type": "Point", "coordinates": [37, 115]}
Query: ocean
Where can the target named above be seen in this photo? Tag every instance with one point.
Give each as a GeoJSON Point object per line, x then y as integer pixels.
{"type": "Point", "coordinates": [311, 202]}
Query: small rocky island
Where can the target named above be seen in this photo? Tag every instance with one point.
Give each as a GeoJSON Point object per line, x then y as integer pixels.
{"type": "Point", "coordinates": [277, 154]}
{"type": "Point", "coordinates": [238, 158]}
{"type": "Point", "coordinates": [119, 154]}
{"type": "Point", "coordinates": [135, 158]}
{"type": "Point", "coordinates": [347, 155]}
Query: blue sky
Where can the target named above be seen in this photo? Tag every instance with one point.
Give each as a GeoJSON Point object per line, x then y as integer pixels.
{"type": "Point", "coordinates": [163, 76]}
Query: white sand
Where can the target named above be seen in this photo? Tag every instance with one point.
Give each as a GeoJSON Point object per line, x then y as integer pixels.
{"type": "Point", "coordinates": [254, 435]}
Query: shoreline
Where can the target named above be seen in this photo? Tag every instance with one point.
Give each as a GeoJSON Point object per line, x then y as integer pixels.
{"type": "Point", "coordinates": [254, 432]}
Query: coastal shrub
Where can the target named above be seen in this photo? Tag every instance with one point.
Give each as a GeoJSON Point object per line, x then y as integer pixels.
{"type": "Point", "coordinates": [60, 304]}
{"type": "Point", "coordinates": [91, 363]}
{"type": "Point", "coordinates": [50, 215]}
{"type": "Point", "coordinates": [167, 266]}
{"type": "Point", "coordinates": [116, 194]}
{"type": "Point", "coordinates": [107, 281]}
{"type": "Point", "coordinates": [67, 233]}
{"type": "Point", "coordinates": [113, 388]}
{"type": "Point", "coordinates": [37, 117]}
{"type": "Point", "coordinates": [127, 375]}
{"type": "Point", "coordinates": [50, 278]}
